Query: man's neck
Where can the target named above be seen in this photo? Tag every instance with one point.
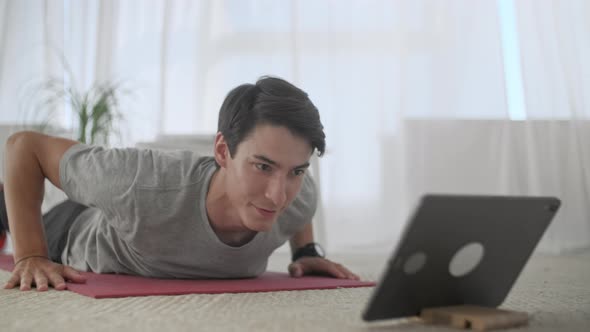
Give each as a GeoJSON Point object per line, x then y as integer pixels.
{"type": "Point", "coordinates": [223, 217]}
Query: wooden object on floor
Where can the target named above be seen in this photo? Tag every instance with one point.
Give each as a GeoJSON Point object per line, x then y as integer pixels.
{"type": "Point", "coordinates": [474, 317]}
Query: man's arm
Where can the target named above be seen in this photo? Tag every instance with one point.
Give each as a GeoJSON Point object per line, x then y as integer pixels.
{"type": "Point", "coordinates": [30, 159]}
{"type": "Point", "coordinates": [301, 238]}
{"type": "Point", "coordinates": [314, 265]}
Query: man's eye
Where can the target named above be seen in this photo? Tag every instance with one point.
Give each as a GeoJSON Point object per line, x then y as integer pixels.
{"type": "Point", "coordinates": [263, 167]}
{"type": "Point", "coordinates": [299, 172]}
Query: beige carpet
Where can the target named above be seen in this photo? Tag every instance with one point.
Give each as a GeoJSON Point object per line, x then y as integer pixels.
{"type": "Point", "coordinates": [554, 290]}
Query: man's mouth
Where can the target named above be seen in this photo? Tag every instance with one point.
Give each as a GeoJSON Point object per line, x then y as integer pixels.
{"type": "Point", "coordinates": [265, 213]}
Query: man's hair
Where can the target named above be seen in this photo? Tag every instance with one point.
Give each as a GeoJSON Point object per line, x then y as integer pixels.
{"type": "Point", "coordinates": [272, 101]}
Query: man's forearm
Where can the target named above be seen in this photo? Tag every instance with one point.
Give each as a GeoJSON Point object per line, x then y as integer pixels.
{"type": "Point", "coordinates": [302, 238]}
{"type": "Point", "coordinates": [23, 188]}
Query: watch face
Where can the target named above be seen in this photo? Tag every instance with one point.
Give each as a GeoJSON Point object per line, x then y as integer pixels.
{"type": "Point", "coordinates": [319, 249]}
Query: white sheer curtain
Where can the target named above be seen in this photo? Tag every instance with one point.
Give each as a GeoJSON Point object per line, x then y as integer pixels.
{"type": "Point", "coordinates": [555, 49]}
{"type": "Point", "coordinates": [416, 96]}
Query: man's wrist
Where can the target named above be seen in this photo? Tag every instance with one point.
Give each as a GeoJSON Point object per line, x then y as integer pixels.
{"type": "Point", "coordinates": [311, 249]}
{"type": "Point", "coordinates": [16, 261]}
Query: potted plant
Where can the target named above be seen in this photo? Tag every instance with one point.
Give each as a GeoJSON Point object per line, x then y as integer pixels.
{"type": "Point", "coordinates": [96, 109]}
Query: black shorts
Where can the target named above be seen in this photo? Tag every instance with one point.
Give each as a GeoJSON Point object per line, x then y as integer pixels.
{"type": "Point", "coordinates": [56, 222]}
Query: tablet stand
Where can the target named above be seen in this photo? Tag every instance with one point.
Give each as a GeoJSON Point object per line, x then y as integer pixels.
{"type": "Point", "coordinates": [474, 317]}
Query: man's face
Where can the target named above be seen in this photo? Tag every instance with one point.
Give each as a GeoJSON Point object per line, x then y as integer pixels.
{"type": "Point", "coordinates": [266, 174]}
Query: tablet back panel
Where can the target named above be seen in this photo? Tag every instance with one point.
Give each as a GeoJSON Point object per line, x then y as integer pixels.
{"type": "Point", "coordinates": [502, 231]}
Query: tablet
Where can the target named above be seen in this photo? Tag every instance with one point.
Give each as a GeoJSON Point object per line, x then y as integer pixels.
{"type": "Point", "coordinates": [460, 249]}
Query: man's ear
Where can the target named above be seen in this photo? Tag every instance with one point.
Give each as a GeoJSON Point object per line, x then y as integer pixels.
{"type": "Point", "coordinates": [221, 150]}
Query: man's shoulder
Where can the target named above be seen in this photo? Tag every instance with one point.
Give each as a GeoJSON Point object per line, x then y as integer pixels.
{"type": "Point", "coordinates": [175, 168]}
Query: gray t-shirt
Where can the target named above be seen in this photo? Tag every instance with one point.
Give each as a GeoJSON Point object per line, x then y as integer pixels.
{"type": "Point", "coordinates": [147, 216]}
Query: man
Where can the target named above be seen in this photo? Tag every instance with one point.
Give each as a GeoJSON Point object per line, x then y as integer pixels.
{"type": "Point", "coordinates": [172, 214]}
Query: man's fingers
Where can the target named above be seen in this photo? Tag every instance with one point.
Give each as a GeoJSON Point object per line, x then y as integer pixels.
{"type": "Point", "coordinates": [304, 266]}
{"type": "Point", "coordinates": [41, 281]}
{"type": "Point", "coordinates": [43, 273]}
{"type": "Point", "coordinates": [335, 271]}
{"type": "Point", "coordinates": [328, 267]}
{"type": "Point", "coordinates": [57, 281]}
{"type": "Point", "coordinates": [74, 275]}
{"type": "Point", "coordinates": [347, 273]}
{"type": "Point", "coordinates": [25, 281]}
{"type": "Point", "coordinates": [316, 265]}
{"type": "Point", "coordinates": [296, 270]}
{"type": "Point", "coordinates": [12, 282]}
{"type": "Point", "coordinates": [343, 272]}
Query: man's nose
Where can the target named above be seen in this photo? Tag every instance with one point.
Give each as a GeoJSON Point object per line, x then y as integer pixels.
{"type": "Point", "coordinates": [276, 191]}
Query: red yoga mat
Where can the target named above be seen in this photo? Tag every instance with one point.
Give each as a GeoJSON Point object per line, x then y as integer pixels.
{"type": "Point", "coordinates": [115, 285]}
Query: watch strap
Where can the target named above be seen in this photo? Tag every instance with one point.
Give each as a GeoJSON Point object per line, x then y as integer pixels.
{"type": "Point", "coordinates": [308, 250]}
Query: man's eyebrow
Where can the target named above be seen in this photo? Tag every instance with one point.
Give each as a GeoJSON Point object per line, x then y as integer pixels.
{"type": "Point", "coordinates": [272, 162]}
{"type": "Point", "coordinates": [265, 159]}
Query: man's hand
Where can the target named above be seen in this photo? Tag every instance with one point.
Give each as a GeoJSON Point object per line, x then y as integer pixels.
{"type": "Point", "coordinates": [43, 273]}
{"type": "Point", "coordinates": [317, 265]}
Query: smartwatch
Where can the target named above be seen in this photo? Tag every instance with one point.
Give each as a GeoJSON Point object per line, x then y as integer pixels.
{"type": "Point", "coordinates": [311, 249]}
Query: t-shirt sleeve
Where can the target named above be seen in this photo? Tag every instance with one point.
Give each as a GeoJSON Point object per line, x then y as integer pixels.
{"type": "Point", "coordinates": [100, 177]}
{"type": "Point", "coordinates": [302, 209]}
{"type": "Point", "coordinates": [307, 200]}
